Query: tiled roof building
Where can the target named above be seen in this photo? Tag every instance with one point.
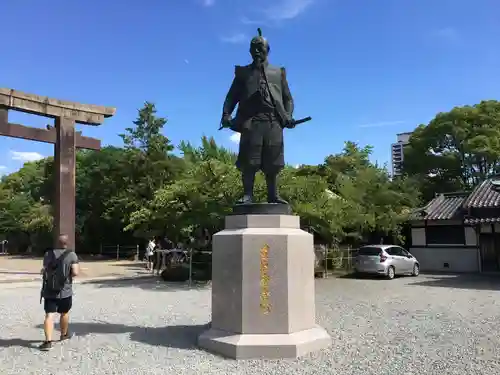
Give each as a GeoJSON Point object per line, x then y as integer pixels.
{"type": "Point", "coordinates": [459, 231]}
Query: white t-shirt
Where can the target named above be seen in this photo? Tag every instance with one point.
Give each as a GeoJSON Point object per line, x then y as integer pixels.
{"type": "Point", "coordinates": [151, 247]}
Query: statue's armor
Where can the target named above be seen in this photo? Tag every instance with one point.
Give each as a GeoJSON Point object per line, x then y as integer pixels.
{"type": "Point", "coordinates": [250, 101]}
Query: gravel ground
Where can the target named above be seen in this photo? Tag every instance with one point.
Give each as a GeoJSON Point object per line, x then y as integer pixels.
{"type": "Point", "coordinates": [426, 325]}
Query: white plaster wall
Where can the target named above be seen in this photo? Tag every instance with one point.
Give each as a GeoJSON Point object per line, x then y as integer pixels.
{"type": "Point", "coordinates": [418, 236]}
{"type": "Point", "coordinates": [470, 236]}
{"type": "Point", "coordinates": [459, 259]}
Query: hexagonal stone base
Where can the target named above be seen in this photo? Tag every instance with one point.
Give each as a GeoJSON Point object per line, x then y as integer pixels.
{"type": "Point", "coordinates": [277, 346]}
{"type": "Point", "coordinates": [262, 287]}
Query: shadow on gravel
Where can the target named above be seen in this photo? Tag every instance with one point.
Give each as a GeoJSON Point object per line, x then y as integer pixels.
{"type": "Point", "coordinates": [147, 283]}
{"type": "Point", "coordinates": [25, 256]}
{"type": "Point", "coordinates": [178, 337]}
{"type": "Point", "coordinates": [361, 276]}
{"type": "Point", "coordinates": [135, 265]}
{"type": "Point", "coordinates": [460, 281]}
{"type": "Point", "coordinates": [9, 343]}
{"type": "Point", "coordinates": [19, 273]}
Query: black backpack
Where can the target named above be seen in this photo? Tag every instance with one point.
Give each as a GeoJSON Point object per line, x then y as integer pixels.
{"type": "Point", "coordinates": [55, 277]}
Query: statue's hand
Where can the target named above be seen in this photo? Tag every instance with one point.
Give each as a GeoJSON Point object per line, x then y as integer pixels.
{"type": "Point", "coordinates": [226, 121]}
{"type": "Point", "coordinates": [289, 123]}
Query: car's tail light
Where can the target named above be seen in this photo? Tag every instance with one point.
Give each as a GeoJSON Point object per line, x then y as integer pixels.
{"type": "Point", "coordinates": [383, 258]}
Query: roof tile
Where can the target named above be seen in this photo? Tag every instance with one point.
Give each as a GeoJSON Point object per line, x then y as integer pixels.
{"type": "Point", "coordinates": [484, 220]}
{"type": "Point", "coordinates": [443, 207]}
{"type": "Point", "coordinates": [486, 194]}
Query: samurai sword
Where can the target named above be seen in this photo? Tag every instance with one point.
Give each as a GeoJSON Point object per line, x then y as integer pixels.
{"type": "Point", "coordinates": [294, 123]}
{"type": "Point", "coordinates": [290, 124]}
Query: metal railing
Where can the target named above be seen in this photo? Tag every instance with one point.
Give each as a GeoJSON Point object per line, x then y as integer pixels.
{"type": "Point", "coordinates": [329, 261]}
{"type": "Point", "coordinates": [336, 260]}
{"type": "Point", "coordinates": [119, 252]}
{"type": "Point", "coordinates": [3, 247]}
{"type": "Point", "coordinates": [164, 259]}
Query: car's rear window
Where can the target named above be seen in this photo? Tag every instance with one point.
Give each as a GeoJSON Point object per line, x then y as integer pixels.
{"type": "Point", "coordinates": [369, 250]}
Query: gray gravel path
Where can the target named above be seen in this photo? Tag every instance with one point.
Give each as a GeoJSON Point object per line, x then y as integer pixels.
{"type": "Point", "coordinates": [425, 325]}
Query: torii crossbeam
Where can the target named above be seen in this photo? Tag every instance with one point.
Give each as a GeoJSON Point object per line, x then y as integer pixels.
{"type": "Point", "coordinates": [65, 140]}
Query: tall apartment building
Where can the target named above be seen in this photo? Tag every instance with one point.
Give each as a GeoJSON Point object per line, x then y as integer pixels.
{"type": "Point", "coordinates": [397, 154]}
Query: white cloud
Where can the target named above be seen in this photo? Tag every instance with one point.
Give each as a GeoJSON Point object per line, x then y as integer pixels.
{"type": "Point", "coordinates": [287, 9]}
{"type": "Point", "coordinates": [208, 3]}
{"type": "Point", "coordinates": [2, 167]}
{"type": "Point", "coordinates": [235, 137]}
{"type": "Point", "coordinates": [274, 12]}
{"type": "Point", "coordinates": [25, 156]}
{"type": "Point", "coordinates": [234, 38]}
{"type": "Point", "coordinates": [248, 21]}
{"type": "Point", "coordinates": [381, 124]}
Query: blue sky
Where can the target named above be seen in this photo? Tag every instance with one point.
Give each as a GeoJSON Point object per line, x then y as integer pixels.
{"type": "Point", "coordinates": [364, 70]}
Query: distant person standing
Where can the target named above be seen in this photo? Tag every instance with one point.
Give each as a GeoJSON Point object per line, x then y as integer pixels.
{"type": "Point", "coordinates": [60, 265]}
{"type": "Point", "coordinates": [149, 253]}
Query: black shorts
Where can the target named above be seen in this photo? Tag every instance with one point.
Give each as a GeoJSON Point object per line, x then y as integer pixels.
{"type": "Point", "coordinates": [58, 305]}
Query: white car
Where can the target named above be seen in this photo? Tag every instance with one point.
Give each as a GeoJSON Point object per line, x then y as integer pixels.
{"type": "Point", "coordinates": [387, 260]}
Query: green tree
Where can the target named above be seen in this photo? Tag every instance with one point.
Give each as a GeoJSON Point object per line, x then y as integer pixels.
{"type": "Point", "coordinates": [104, 197]}
{"type": "Point", "coordinates": [347, 195]}
{"type": "Point", "coordinates": [150, 153]}
{"type": "Point", "coordinates": [456, 150]}
{"type": "Point", "coordinates": [25, 211]}
{"type": "Point", "coordinates": [199, 199]}
{"type": "Point", "coordinates": [115, 182]}
{"type": "Point", "coordinates": [321, 211]}
{"type": "Point", "coordinates": [373, 203]}
{"type": "Point", "coordinates": [142, 189]}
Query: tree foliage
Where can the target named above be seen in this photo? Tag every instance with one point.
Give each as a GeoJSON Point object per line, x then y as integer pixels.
{"type": "Point", "coordinates": [456, 150]}
{"type": "Point", "coordinates": [126, 194]}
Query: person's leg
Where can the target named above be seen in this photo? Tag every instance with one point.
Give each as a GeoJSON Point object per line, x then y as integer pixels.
{"type": "Point", "coordinates": [50, 307]}
{"type": "Point", "coordinates": [64, 324]}
{"type": "Point", "coordinates": [48, 326]}
{"type": "Point", "coordinates": [154, 261]}
{"type": "Point", "coordinates": [63, 309]}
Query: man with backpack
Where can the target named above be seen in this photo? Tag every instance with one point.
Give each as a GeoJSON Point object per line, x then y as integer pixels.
{"type": "Point", "coordinates": [60, 265]}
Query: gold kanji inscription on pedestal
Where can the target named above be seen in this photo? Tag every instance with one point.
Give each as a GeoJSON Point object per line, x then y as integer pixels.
{"type": "Point", "coordinates": [265, 305]}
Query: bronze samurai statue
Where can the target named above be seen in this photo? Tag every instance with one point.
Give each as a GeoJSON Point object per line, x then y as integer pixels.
{"type": "Point", "coordinates": [265, 108]}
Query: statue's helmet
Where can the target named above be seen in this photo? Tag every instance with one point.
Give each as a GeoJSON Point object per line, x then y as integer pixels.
{"type": "Point", "coordinates": [260, 41]}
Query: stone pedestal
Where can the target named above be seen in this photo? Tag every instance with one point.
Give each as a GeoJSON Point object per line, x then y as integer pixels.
{"type": "Point", "coordinates": [263, 303]}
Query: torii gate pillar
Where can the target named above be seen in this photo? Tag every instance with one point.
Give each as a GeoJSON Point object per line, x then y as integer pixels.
{"type": "Point", "coordinates": [65, 179]}
{"type": "Point", "coordinates": [65, 139]}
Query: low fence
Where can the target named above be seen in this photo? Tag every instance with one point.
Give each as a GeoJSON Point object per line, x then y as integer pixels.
{"type": "Point", "coordinates": [3, 247]}
{"type": "Point", "coordinates": [119, 252]}
{"type": "Point", "coordinates": [337, 260]}
{"type": "Point", "coordinates": [328, 260]}
{"type": "Point", "coordinates": [193, 265]}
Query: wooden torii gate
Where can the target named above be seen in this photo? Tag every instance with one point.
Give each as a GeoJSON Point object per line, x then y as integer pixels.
{"type": "Point", "coordinates": [65, 140]}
